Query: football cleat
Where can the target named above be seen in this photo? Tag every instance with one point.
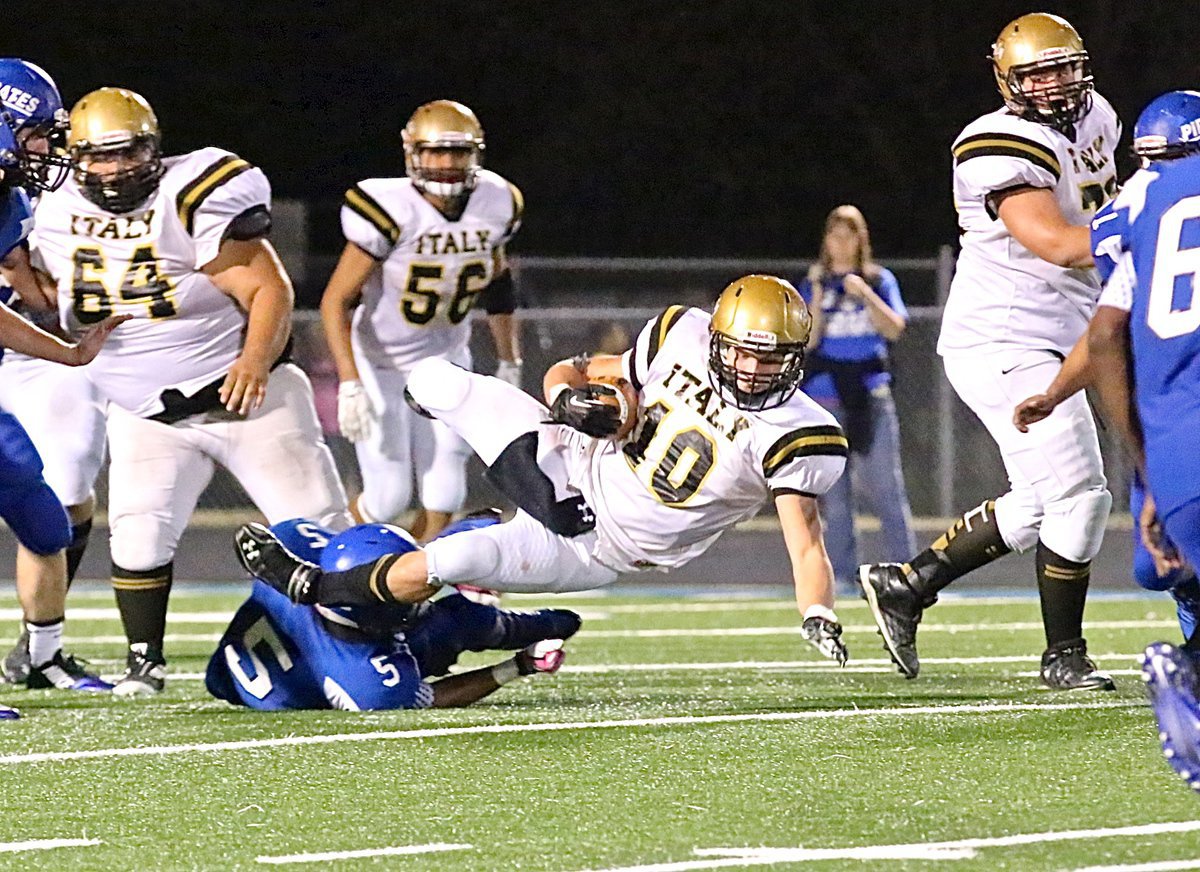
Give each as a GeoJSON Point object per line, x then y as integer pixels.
{"type": "Point", "coordinates": [1174, 687]}
{"type": "Point", "coordinates": [267, 559]}
{"type": "Point", "coordinates": [545, 656]}
{"type": "Point", "coordinates": [8, 713]}
{"type": "Point", "coordinates": [145, 672]}
{"type": "Point", "coordinates": [1066, 666]}
{"type": "Point", "coordinates": [897, 610]}
{"type": "Point", "coordinates": [16, 665]}
{"type": "Point", "coordinates": [64, 672]}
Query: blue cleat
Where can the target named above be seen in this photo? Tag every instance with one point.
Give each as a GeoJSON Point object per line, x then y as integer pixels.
{"type": "Point", "coordinates": [8, 713]}
{"type": "Point", "coordinates": [1171, 680]}
{"type": "Point", "coordinates": [63, 672]}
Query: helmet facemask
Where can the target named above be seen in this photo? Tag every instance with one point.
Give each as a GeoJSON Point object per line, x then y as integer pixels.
{"type": "Point", "coordinates": [134, 175]}
{"type": "Point", "coordinates": [445, 168]}
{"type": "Point", "coordinates": [42, 163]}
{"type": "Point", "coordinates": [755, 372]}
{"type": "Point", "coordinates": [1060, 99]}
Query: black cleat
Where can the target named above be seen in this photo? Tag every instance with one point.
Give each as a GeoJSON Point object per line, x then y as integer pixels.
{"type": "Point", "coordinates": [1066, 666]}
{"type": "Point", "coordinates": [897, 610]}
{"type": "Point", "coordinates": [16, 666]}
{"type": "Point", "coordinates": [64, 672]}
{"type": "Point", "coordinates": [145, 672]}
{"type": "Point", "coordinates": [267, 559]}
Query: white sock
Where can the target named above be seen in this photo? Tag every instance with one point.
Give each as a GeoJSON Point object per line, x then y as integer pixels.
{"type": "Point", "coordinates": [45, 640]}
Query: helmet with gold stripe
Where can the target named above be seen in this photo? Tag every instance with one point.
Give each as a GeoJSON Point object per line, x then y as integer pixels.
{"type": "Point", "coordinates": [757, 338]}
{"type": "Point", "coordinates": [1042, 70]}
{"type": "Point", "coordinates": [115, 143]}
{"type": "Point", "coordinates": [443, 148]}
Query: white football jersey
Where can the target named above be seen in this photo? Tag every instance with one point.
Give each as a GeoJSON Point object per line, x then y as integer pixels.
{"type": "Point", "coordinates": [432, 268]}
{"type": "Point", "coordinates": [697, 465]}
{"type": "Point", "coordinates": [1003, 295]}
{"type": "Point", "coordinates": [185, 332]}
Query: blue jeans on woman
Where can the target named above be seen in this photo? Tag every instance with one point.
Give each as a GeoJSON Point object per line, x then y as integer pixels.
{"type": "Point", "coordinates": [878, 473]}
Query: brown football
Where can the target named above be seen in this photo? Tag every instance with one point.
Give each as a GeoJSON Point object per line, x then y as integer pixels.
{"type": "Point", "coordinates": [626, 401]}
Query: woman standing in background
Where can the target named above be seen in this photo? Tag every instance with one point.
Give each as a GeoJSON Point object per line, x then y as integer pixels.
{"type": "Point", "coordinates": [857, 310]}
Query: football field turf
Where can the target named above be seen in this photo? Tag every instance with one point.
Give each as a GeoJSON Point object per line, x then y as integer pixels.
{"type": "Point", "coordinates": [684, 733]}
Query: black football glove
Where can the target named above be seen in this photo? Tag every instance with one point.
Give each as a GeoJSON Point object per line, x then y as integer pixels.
{"type": "Point", "coordinates": [826, 636]}
{"type": "Point", "coordinates": [581, 409]}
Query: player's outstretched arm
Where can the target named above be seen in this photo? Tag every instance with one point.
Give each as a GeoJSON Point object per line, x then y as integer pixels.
{"type": "Point", "coordinates": [19, 335]}
{"type": "Point", "coordinates": [356, 414]}
{"type": "Point", "coordinates": [250, 271]}
{"type": "Point", "coordinates": [812, 573]}
{"type": "Point", "coordinates": [1108, 349]}
{"type": "Point", "coordinates": [545, 657]}
{"type": "Point", "coordinates": [499, 300]}
{"type": "Point", "coordinates": [36, 289]}
{"type": "Point", "coordinates": [1033, 217]}
{"type": "Point", "coordinates": [1075, 375]}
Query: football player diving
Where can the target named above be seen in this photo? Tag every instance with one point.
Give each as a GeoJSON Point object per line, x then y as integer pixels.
{"type": "Point", "coordinates": [1028, 178]}
{"type": "Point", "coordinates": [421, 251]}
{"type": "Point", "coordinates": [278, 655]}
{"type": "Point", "coordinates": [201, 373]}
{"type": "Point", "coordinates": [32, 122]}
{"type": "Point", "coordinates": [722, 430]}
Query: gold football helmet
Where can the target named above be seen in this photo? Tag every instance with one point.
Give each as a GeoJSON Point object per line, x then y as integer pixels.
{"type": "Point", "coordinates": [757, 337]}
{"type": "Point", "coordinates": [114, 141]}
{"type": "Point", "coordinates": [1042, 69]}
{"type": "Point", "coordinates": [452, 129]}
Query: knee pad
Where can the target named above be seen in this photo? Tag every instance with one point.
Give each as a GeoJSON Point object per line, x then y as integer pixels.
{"type": "Point", "coordinates": [469, 557]}
{"type": "Point", "coordinates": [438, 385]}
{"type": "Point", "coordinates": [383, 499]}
{"type": "Point", "coordinates": [1018, 516]}
{"type": "Point", "coordinates": [35, 515]}
{"type": "Point", "coordinates": [139, 543]}
{"type": "Point", "coordinates": [1073, 526]}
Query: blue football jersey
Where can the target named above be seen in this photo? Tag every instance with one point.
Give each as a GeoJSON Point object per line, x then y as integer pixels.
{"type": "Point", "coordinates": [16, 218]}
{"type": "Point", "coordinates": [1164, 241]}
{"type": "Point", "coordinates": [1109, 227]}
{"type": "Point", "coordinates": [278, 655]}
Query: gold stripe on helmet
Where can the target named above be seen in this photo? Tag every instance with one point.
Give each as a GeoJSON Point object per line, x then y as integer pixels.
{"type": "Point", "coordinates": [194, 192]}
{"type": "Point", "coordinates": [364, 205]}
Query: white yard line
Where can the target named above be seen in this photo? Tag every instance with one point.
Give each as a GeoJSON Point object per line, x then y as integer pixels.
{"type": "Point", "coordinates": [46, 844]}
{"type": "Point", "coordinates": [963, 849]}
{"type": "Point", "coordinates": [484, 729]}
{"type": "Point", "coordinates": [1160, 866]}
{"type": "Point", "coordinates": [434, 848]}
{"type": "Point", "coordinates": [794, 630]}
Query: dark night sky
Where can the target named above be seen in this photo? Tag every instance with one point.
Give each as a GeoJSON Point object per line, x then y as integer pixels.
{"type": "Point", "coordinates": [699, 129]}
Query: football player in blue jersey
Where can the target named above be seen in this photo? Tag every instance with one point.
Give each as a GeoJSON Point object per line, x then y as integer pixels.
{"type": "Point", "coordinates": [1144, 351]}
{"type": "Point", "coordinates": [31, 120]}
{"type": "Point", "coordinates": [278, 655]}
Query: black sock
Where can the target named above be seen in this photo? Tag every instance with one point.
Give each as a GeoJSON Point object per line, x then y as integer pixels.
{"type": "Point", "coordinates": [971, 542]}
{"type": "Point", "coordinates": [1062, 585]}
{"type": "Point", "coordinates": [362, 584]}
{"type": "Point", "coordinates": [142, 601]}
{"type": "Point", "coordinates": [79, 542]}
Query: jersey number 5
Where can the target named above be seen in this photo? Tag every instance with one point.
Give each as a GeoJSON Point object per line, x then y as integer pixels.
{"type": "Point", "coordinates": [1175, 271]}
{"type": "Point", "coordinates": [259, 633]}
{"type": "Point", "coordinates": [142, 283]}
{"type": "Point", "coordinates": [420, 301]}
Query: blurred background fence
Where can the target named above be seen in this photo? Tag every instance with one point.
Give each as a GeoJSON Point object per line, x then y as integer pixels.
{"type": "Point", "coordinates": [599, 304]}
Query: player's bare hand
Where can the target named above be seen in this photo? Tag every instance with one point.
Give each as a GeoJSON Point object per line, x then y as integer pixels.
{"type": "Point", "coordinates": [94, 337]}
{"type": "Point", "coordinates": [855, 286]}
{"type": "Point", "coordinates": [245, 387]}
{"type": "Point", "coordinates": [1154, 537]}
{"type": "Point", "coordinates": [1031, 410]}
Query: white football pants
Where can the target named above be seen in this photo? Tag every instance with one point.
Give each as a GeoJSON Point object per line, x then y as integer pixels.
{"type": "Point", "coordinates": [63, 414]}
{"type": "Point", "coordinates": [1056, 475]}
{"type": "Point", "coordinates": [159, 470]}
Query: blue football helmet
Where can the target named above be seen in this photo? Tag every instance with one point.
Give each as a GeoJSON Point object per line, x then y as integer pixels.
{"type": "Point", "coordinates": [32, 147]}
{"type": "Point", "coordinates": [1169, 127]}
{"type": "Point", "coordinates": [473, 521]}
{"type": "Point", "coordinates": [305, 539]}
{"type": "Point", "coordinates": [364, 544]}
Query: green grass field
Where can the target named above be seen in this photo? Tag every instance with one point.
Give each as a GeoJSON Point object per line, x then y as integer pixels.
{"type": "Point", "coordinates": [698, 733]}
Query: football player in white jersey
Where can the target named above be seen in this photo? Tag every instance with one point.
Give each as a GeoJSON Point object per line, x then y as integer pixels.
{"type": "Point", "coordinates": [1027, 179]}
{"type": "Point", "coordinates": [200, 375]}
{"type": "Point", "coordinates": [722, 431]}
{"type": "Point", "coordinates": [420, 251]}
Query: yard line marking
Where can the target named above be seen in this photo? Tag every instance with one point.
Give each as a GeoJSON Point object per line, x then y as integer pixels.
{"type": "Point", "coordinates": [1160, 866]}
{"type": "Point", "coordinates": [684, 632]}
{"type": "Point", "coordinates": [550, 727]}
{"type": "Point", "coordinates": [434, 848]}
{"type": "Point", "coordinates": [46, 844]}
{"type": "Point", "coordinates": [111, 614]}
{"type": "Point", "coordinates": [75, 638]}
{"type": "Point", "coordinates": [963, 849]}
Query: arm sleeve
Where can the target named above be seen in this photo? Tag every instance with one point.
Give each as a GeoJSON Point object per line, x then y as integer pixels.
{"type": "Point", "coordinates": [889, 290]}
{"type": "Point", "coordinates": [986, 163]}
{"type": "Point", "coordinates": [367, 224]}
{"type": "Point", "coordinates": [636, 362]}
{"type": "Point", "coordinates": [500, 296]}
{"type": "Point", "coordinates": [1108, 238]}
{"type": "Point", "coordinates": [807, 461]}
{"type": "Point", "coordinates": [1118, 291]}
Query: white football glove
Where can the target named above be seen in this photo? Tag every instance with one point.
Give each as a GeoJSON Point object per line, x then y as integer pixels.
{"type": "Point", "coordinates": [509, 371]}
{"type": "Point", "coordinates": [356, 415]}
{"type": "Point", "coordinates": [824, 632]}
